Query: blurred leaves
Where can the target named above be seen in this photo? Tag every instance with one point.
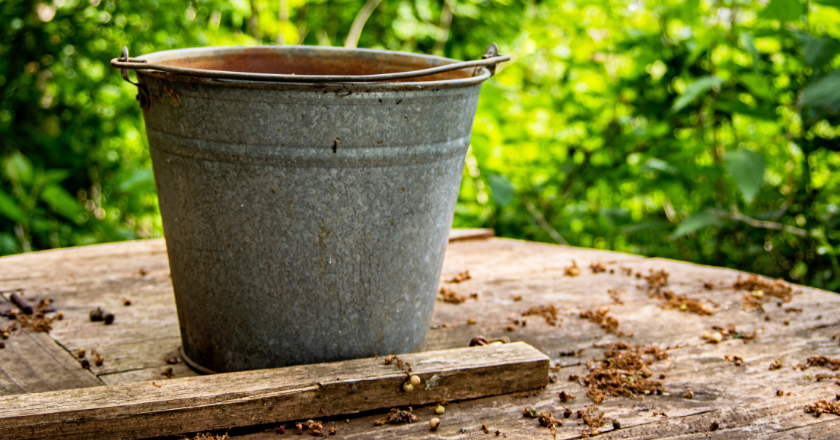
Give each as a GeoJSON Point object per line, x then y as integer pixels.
{"type": "Point", "coordinates": [747, 168]}
{"type": "Point", "coordinates": [699, 87]}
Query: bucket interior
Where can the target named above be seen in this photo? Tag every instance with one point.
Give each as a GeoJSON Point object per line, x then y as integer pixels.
{"type": "Point", "coordinates": [301, 60]}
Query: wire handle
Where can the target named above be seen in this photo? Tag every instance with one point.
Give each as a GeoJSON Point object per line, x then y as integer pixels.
{"type": "Point", "coordinates": [489, 60]}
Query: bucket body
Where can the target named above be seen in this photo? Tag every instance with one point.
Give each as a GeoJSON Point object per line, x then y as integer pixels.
{"type": "Point", "coordinates": [305, 222]}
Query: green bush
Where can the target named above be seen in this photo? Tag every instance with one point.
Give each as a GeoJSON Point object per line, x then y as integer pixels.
{"type": "Point", "coordinates": [697, 130]}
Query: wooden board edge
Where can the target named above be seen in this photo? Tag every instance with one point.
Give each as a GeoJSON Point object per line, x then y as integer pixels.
{"type": "Point", "coordinates": [324, 396]}
{"type": "Point", "coordinates": [463, 234]}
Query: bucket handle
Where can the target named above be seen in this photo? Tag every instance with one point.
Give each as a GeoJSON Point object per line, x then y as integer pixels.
{"type": "Point", "coordinates": [489, 60]}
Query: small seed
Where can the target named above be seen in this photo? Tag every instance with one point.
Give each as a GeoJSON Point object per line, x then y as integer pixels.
{"type": "Point", "coordinates": [108, 318]}
{"type": "Point", "coordinates": [716, 337]}
{"type": "Point", "coordinates": [472, 321]}
{"type": "Point", "coordinates": [758, 293]}
{"type": "Point", "coordinates": [97, 314]}
{"type": "Point", "coordinates": [408, 387]}
{"type": "Point", "coordinates": [2, 344]}
{"type": "Point", "coordinates": [434, 423]}
{"type": "Point", "coordinates": [80, 353]}
{"type": "Point", "coordinates": [415, 380]}
{"type": "Point", "coordinates": [85, 364]}
{"type": "Point", "coordinates": [440, 410]}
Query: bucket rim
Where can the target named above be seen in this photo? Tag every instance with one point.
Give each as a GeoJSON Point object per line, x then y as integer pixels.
{"type": "Point", "coordinates": [173, 54]}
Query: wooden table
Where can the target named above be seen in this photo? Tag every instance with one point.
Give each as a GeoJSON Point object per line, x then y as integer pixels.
{"type": "Point", "coordinates": [740, 400]}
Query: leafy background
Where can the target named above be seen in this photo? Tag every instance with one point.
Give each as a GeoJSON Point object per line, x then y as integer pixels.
{"type": "Point", "coordinates": [702, 130]}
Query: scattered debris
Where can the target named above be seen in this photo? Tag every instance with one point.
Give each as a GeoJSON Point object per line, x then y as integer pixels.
{"type": "Point", "coordinates": [573, 270]}
{"type": "Point", "coordinates": [608, 323]}
{"type": "Point", "coordinates": [463, 276]}
{"type": "Point", "coordinates": [777, 288]}
{"type": "Point", "coordinates": [683, 303]}
{"type": "Point", "coordinates": [615, 295]}
{"type": "Point", "coordinates": [143, 272]}
{"type": "Point", "coordinates": [479, 340]}
{"type": "Point", "coordinates": [565, 397]}
{"type": "Point", "coordinates": [714, 426]}
{"type": "Point", "coordinates": [167, 372]}
{"type": "Point", "coordinates": [405, 367]}
{"type": "Point", "coordinates": [574, 353]}
{"type": "Point", "coordinates": [821, 407]}
{"type": "Point", "coordinates": [656, 281]}
{"type": "Point", "coordinates": [623, 372]}
{"type": "Point", "coordinates": [450, 296]}
{"type": "Point", "coordinates": [688, 395]}
{"type": "Point", "coordinates": [108, 318]}
{"type": "Point", "coordinates": [126, 302]}
{"type": "Point", "coordinates": [597, 267]}
{"type": "Point", "coordinates": [737, 360]}
{"type": "Point", "coordinates": [523, 322]}
{"type": "Point", "coordinates": [750, 301]}
{"type": "Point", "coordinates": [472, 321]}
{"type": "Point", "coordinates": [548, 312]}
{"type": "Point", "coordinates": [530, 412]}
{"type": "Point", "coordinates": [207, 436]}
{"type": "Point", "coordinates": [172, 360]}
{"type": "Point", "coordinates": [85, 364]}
{"type": "Point", "coordinates": [397, 416]}
{"type": "Point", "coordinates": [547, 420]}
{"type": "Point", "coordinates": [719, 334]}
{"type": "Point", "coordinates": [777, 364]}
{"type": "Point", "coordinates": [517, 298]}
{"type": "Point", "coordinates": [593, 420]}
{"type": "Point", "coordinates": [820, 361]}
{"type": "Point", "coordinates": [97, 314]}
{"type": "Point", "coordinates": [485, 429]}
{"type": "Point", "coordinates": [793, 310]}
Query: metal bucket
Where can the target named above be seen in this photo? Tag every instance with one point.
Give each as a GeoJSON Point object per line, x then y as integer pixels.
{"type": "Point", "coordinates": [305, 222]}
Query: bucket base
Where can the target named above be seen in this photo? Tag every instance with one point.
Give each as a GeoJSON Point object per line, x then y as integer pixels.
{"type": "Point", "coordinates": [197, 368]}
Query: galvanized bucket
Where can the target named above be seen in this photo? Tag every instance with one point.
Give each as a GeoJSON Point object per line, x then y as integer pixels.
{"type": "Point", "coordinates": [305, 221]}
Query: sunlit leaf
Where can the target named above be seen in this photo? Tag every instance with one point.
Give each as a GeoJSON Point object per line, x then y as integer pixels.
{"type": "Point", "coordinates": [757, 85]}
{"type": "Point", "coordinates": [654, 164]}
{"type": "Point", "coordinates": [18, 167]}
{"type": "Point", "coordinates": [9, 208]}
{"type": "Point", "coordinates": [501, 189]}
{"type": "Point", "coordinates": [138, 177]}
{"type": "Point", "coordinates": [694, 223]}
{"type": "Point", "coordinates": [61, 202]}
{"type": "Point", "coordinates": [818, 51]}
{"type": "Point", "coordinates": [831, 3]}
{"type": "Point", "coordinates": [824, 93]}
{"type": "Point", "coordinates": [782, 10]}
{"type": "Point", "coordinates": [696, 89]}
{"type": "Point", "coordinates": [747, 168]}
{"type": "Point", "coordinates": [747, 42]}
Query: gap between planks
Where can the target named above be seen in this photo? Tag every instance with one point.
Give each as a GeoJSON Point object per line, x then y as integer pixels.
{"type": "Point", "coordinates": [178, 406]}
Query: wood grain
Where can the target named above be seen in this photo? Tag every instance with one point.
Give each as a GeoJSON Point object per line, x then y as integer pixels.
{"type": "Point", "coordinates": [170, 407]}
{"type": "Point", "coordinates": [741, 399]}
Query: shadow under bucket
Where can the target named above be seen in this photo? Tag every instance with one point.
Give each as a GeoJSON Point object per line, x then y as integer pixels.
{"type": "Point", "coordinates": [305, 222]}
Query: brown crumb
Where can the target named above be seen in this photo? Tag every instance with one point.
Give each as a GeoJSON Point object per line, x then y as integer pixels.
{"type": "Point", "coordinates": [397, 416]}
{"type": "Point", "coordinates": [821, 407]}
{"type": "Point", "coordinates": [737, 360]}
{"type": "Point", "coordinates": [450, 296]}
{"type": "Point", "coordinates": [777, 364]}
{"type": "Point", "coordinates": [485, 429]}
{"type": "Point", "coordinates": [615, 295]}
{"type": "Point", "coordinates": [684, 303]}
{"type": "Point", "coordinates": [750, 301]}
{"type": "Point", "coordinates": [547, 420]}
{"type": "Point", "coordinates": [510, 327]}
{"type": "Point", "coordinates": [719, 334]}
{"type": "Point", "coordinates": [85, 364]}
{"type": "Point", "coordinates": [793, 310]}
{"type": "Point", "coordinates": [598, 267]}
{"type": "Point", "coordinates": [608, 323]}
{"type": "Point", "coordinates": [820, 361]}
{"type": "Point", "coordinates": [623, 372]}
{"type": "Point", "coordinates": [548, 312]}
{"type": "Point", "coordinates": [97, 358]}
{"type": "Point", "coordinates": [167, 372]}
{"type": "Point", "coordinates": [530, 412]}
{"type": "Point", "coordinates": [517, 298]}
{"type": "Point", "coordinates": [463, 276]}
{"type": "Point", "coordinates": [402, 365]}
{"type": "Point", "coordinates": [565, 397]}
{"type": "Point", "coordinates": [126, 302]}
{"type": "Point", "coordinates": [172, 360]}
{"type": "Point", "coordinates": [777, 288]}
{"type": "Point", "coordinates": [714, 426]}
{"type": "Point", "coordinates": [207, 436]}
{"type": "Point", "coordinates": [593, 420]}
{"type": "Point", "coordinates": [573, 270]}
{"type": "Point", "coordinates": [708, 285]}
{"type": "Point", "coordinates": [143, 272]}
{"type": "Point", "coordinates": [688, 395]}
{"type": "Point", "coordinates": [316, 427]}
{"type": "Point", "coordinates": [656, 281]}
{"type": "Point", "coordinates": [780, 393]}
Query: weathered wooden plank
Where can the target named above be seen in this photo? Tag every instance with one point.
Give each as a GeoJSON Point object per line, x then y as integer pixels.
{"type": "Point", "coordinates": [170, 407]}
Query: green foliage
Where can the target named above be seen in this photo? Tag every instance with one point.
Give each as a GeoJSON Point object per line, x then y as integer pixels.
{"type": "Point", "coordinates": [690, 129]}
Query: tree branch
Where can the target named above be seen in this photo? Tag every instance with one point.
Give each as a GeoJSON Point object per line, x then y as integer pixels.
{"type": "Point", "coordinates": [758, 223]}
{"type": "Point", "coordinates": [544, 224]}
